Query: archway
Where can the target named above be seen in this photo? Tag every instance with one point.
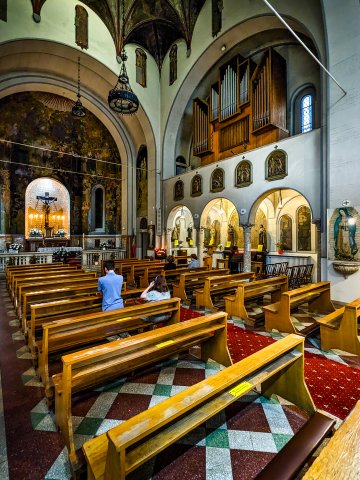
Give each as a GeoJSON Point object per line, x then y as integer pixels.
{"type": "Point", "coordinates": [181, 235]}
{"type": "Point", "coordinates": [47, 209]}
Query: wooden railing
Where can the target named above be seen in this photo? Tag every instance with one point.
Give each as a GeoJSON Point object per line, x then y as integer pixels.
{"type": "Point", "coordinates": [23, 259]}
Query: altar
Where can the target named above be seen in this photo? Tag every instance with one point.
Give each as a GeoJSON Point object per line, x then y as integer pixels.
{"type": "Point", "coordinates": [33, 244]}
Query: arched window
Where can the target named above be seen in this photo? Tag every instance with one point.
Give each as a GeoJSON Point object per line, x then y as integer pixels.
{"type": "Point", "coordinates": [180, 165]}
{"type": "Point", "coordinates": [98, 209]}
{"type": "Point", "coordinates": [304, 110]}
{"type": "Point", "coordinates": [173, 64]}
{"type": "Point", "coordinates": [140, 67]}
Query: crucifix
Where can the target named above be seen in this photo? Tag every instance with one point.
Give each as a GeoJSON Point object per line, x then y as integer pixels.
{"type": "Point", "coordinates": [47, 201]}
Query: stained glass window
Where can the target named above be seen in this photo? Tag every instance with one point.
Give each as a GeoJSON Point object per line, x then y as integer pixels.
{"type": "Point", "coordinates": [306, 111]}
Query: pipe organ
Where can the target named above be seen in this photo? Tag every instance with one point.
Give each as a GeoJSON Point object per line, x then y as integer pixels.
{"type": "Point", "coordinates": [201, 127]}
{"type": "Point", "coordinates": [247, 107]}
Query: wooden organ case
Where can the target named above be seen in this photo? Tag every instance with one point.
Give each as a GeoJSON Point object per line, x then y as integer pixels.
{"type": "Point", "coordinates": [246, 108]}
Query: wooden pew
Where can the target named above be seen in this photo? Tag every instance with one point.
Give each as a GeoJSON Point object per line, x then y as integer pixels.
{"type": "Point", "coordinates": [54, 283]}
{"type": "Point", "coordinates": [191, 280]}
{"type": "Point", "coordinates": [57, 310]}
{"type": "Point", "coordinates": [277, 315]}
{"type": "Point", "coordinates": [21, 275]}
{"type": "Point", "coordinates": [173, 276]}
{"type": "Point", "coordinates": [60, 309]}
{"type": "Point", "coordinates": [98, 365]}
{"type": "Point", "coordinates": [219, 285]}
{"type": "Point", "coordinates": [340, 458]}
{"type": "Point", "coordinates": [118, 262]}
{"type": "Point", "coordinates": [19, 279]}
{"type": "Point", "coordinates": [78, 332]}
{"type": "Point", "coordinates": [340, 329]}
{"type": "Point", "coordinates": [14, 269]}
{"type": "Point", "coordinates": [50, 294]}
{"type": "Point", "coordinates": [276, 369]}
{"type": "Point", "coordinates": [137, 272]}
{"type": "Point", "coordinates": [235, 304]}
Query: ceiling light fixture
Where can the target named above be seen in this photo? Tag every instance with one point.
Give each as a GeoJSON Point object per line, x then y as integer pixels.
{"type": "Point", "coordinates": [78, 110]}
{"type": "Point", "coordinates": [121, 98]}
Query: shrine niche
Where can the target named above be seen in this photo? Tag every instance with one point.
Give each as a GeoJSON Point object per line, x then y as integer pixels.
{"type": "Point", "coordinates": [276, 165]}
{"type": "Point", "coordinates": [47, 206]}
{"type": "Point", "coordinates": [179, 190]}
{"type": "Point", "coordinates": [217, 180]}
{"type": "Point", "coordinates": [196, 186]}
{"type": "Point", "coordinates": [243, 174]}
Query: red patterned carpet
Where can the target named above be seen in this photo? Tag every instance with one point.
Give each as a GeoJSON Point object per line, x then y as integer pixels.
{"type": "Point", "coordinates": [334, 386]}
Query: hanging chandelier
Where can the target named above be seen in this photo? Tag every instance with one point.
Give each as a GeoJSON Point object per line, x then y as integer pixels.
{"type": "Point", "coordinates": [121, 98]}
{"type": "Point", "coordinates": [78, 110]}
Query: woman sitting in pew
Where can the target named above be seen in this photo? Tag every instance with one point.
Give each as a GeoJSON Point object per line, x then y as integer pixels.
{"type": "Point", "coordinates": [157, 290]}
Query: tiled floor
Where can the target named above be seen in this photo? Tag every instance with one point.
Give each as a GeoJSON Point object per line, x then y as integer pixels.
{"type": "Point", "coordinates": [235, 444]}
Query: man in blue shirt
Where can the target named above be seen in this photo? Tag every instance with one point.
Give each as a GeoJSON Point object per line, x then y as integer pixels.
{"type": "Point", "coordinates": [194, 263]}
{"type": "Point", "coordinates": [110, 286]}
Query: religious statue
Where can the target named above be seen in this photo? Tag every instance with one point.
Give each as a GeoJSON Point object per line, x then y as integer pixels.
{"type": "Point", "coordinates": [344, 235]}
{"type": "Point", "coordinates": [175, 235]}
{"type": "Point", "coordinates": [262, 237]}
{"type": "Point", "coordinates": [47, 201]}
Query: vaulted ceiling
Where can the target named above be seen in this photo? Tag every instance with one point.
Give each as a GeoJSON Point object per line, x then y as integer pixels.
{"type": "Point", "coordinates": [154, 25]}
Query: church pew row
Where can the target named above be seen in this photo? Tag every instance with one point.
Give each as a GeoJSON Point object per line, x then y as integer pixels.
{"type": "Point", "coordinates": [34, 272]}
{"type": "Point", "coordinates": [59, 299]}
{"type": "Point", "coordinates": [316, 295]}
{"type": "Point", "coordinates": [190, 280]}
{"type": "Point", "coordinates": [276, 369]}
{"type": "Point", "coordinates": [44, 295]}
{"type": "Point", "coordinates": [235, 304]}
{"type": "Point", "coordinates": [216, 286]}
{"type": "Point", "coordinates": [118, 262]}
{"type": "Point", "coordinates": [78, 332]}
{"type": "Point", "coordinates": [75, 281]}
{"type": "Point", "coordinates": [97, 365]}
{"type": "Point", "coordinates": [173, 276]}
{"type": "Point", "coordinates": [141, 275]}
{"type": "Point", "coordinates": [340, 329]}
{"type": "Point", "coordinates": [53, 274]}
{"type": "Point", "coordinates": [340, 458]}
{"type": "Point", "coordinates": [58, 309]}
{"type": "Point", "coordinates": [11, 269]}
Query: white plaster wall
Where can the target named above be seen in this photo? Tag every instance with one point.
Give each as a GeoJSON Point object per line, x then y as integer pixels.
{"type": "Point", "coordinates": [303, 176]}
{"type": "Point", "coordinates": [343, 36]}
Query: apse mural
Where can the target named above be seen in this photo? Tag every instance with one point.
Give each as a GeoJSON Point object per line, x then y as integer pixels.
{"type": "Point", "coordinates": [47, 141]}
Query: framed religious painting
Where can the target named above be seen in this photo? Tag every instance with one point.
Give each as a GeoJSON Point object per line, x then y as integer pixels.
{"type": "Point", "coordinates": [243, 174]}
{"type": "Point", "coordinates": [276, 165]}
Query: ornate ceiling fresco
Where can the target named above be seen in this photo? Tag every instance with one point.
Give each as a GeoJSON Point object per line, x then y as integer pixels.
{"type": "Point", "coordinates": [152, 24]}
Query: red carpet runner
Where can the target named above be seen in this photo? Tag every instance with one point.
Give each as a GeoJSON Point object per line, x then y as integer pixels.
{"type": "Point", "coordinates": [334, 387]}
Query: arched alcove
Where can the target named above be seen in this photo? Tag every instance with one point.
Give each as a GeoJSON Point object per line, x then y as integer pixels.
{"type": "Point", "coordinates": [47, 209]}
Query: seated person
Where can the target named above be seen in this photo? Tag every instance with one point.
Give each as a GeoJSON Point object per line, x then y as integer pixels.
{"type": "Point", "coordinates": [194, 263]}
{"type": "Point", "coordinates": [157, 290]}
{"type": "Point", "coordinates": [170, 265]}
{"type": "Point", "coordinates": [110, 287]}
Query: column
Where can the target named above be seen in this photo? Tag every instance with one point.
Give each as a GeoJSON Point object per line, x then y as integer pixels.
{"type": "Point", "coordinates": [168, 240]}
{"type": "Point", "coordinates": [317, 223]}
{"type": "Point", "coordinates": [247, 246]}
{"type": "Point", "coordinates": [200, 245]}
